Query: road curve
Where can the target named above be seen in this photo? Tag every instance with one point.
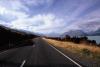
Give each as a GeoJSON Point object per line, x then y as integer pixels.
{"type": "Point", "coordinates": [40, 54]}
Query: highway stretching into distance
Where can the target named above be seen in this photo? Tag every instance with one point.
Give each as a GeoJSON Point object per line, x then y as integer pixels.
{"type": "Point", "coordinates": [39, 54]}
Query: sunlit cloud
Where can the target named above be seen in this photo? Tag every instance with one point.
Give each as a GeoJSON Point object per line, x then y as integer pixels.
{"type": "Point", "coordinates": [15, 5]}
{"type": "Point", "coordinates": [38, 23]}
{"type": "Point", "coordinates": [8, 14]}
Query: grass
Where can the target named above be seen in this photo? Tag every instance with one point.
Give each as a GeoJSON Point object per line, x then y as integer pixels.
{"type": "Point", "coordinates": [82, 49]}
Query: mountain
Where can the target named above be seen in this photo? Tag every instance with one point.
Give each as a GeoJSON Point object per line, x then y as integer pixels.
{"type": "Point", "coordinates": [95, 33]}
{"type": "Point", "coordinates": [14, 38]}
{"type": "Point", "coordinates": [81, 33]}
{"type": "Point", "coordinates": [75, 33]}
{"type": "Point", "coordinates": [4, 29]}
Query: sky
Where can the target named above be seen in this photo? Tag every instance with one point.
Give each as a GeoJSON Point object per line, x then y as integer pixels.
{"type": "Point", "coordinates": [51, 16]}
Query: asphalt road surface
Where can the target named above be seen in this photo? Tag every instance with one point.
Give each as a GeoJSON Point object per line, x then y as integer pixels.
{"type": "Point", "coordinates": [39, 54]}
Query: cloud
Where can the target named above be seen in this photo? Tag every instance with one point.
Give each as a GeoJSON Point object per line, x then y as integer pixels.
{"type": "Point", "coordinates": [90, 22]}
{"type": "Point", "coordinates": [87, 24]}
{"type": "Point", "coordinates": [38, 2]}
{"type": "Point", "coordinates": [4, 23]}
{"type": "Point", "coordinates": [15, 5]}
{"type": "Point", "coordinates": [94, 14]}
{"type": "Point", "coordinates": [10, 11]}
{"type": "Point", "coordinates": [43, 16]}
{"type": "Point", "coordinates": [19, 19]}
{"type": "Point", "coordinates": [38, 23]}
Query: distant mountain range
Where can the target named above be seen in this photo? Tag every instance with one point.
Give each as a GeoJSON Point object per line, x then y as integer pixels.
{"type": "Point", "coordinates": [81, 33]}
{"type": "Point", "coordinates": [95, 33]}
{"type": "Point", "coordinates": [89, 29]}
{"type": "Point", "coordinates": [74, 33]}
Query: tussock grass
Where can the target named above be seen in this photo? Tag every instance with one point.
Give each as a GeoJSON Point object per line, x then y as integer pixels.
{"type": "Point", "coordinates": [82, 49]}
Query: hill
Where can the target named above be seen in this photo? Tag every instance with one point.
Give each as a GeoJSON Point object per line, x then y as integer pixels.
{"type": "Point", "coordinates": [75, 33]}
{"type": "Point", "coordinates": [10, 38]}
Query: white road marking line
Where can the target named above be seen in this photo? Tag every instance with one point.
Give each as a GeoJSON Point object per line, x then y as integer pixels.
{"type": "Point", "coordinates": [67, 56]}
{"type": "Point", "coordinates": [23, 63]}
{"type": "Point", "coordinates": [13, 49]}
{"type": "Point", "coordinates": [4, 51]}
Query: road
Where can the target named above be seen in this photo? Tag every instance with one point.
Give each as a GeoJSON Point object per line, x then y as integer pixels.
{"type": "Point", "coordinates": [39, 54]}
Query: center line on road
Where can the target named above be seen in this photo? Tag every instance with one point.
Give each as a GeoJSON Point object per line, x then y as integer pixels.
{"type": "Point", "coordinates": [66, 56]}
{"type": "Point", "coordinates": [23, 63]}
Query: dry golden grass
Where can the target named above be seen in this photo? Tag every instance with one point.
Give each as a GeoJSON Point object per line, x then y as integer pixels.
{"type": "Point", "coordinates": [77, 48]}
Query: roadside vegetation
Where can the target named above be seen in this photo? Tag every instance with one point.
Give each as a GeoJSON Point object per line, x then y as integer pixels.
{"type": "Point", "coordinates": [81, 46]}
{"type": "Point", "coordinates": [11, 38]}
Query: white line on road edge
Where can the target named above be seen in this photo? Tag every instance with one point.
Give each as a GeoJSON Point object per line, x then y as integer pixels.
{"type": "Point", "coordinates": [67, 56]}
{"type": "Point", "coordinates": [13, 49]}
{"type": "Point", "coordinates": [23, 63]}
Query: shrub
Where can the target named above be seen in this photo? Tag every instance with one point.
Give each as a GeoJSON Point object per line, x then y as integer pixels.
{"type": "Point", "coordinates": [86, 52]}
{"type": "Point", "coordinates": [83, 38]}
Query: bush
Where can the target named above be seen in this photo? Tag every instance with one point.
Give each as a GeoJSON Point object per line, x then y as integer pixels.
{"type": "Point", "coordinates": [86, 52]}
{"type": "Point", "coordinates": [83, 38]}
